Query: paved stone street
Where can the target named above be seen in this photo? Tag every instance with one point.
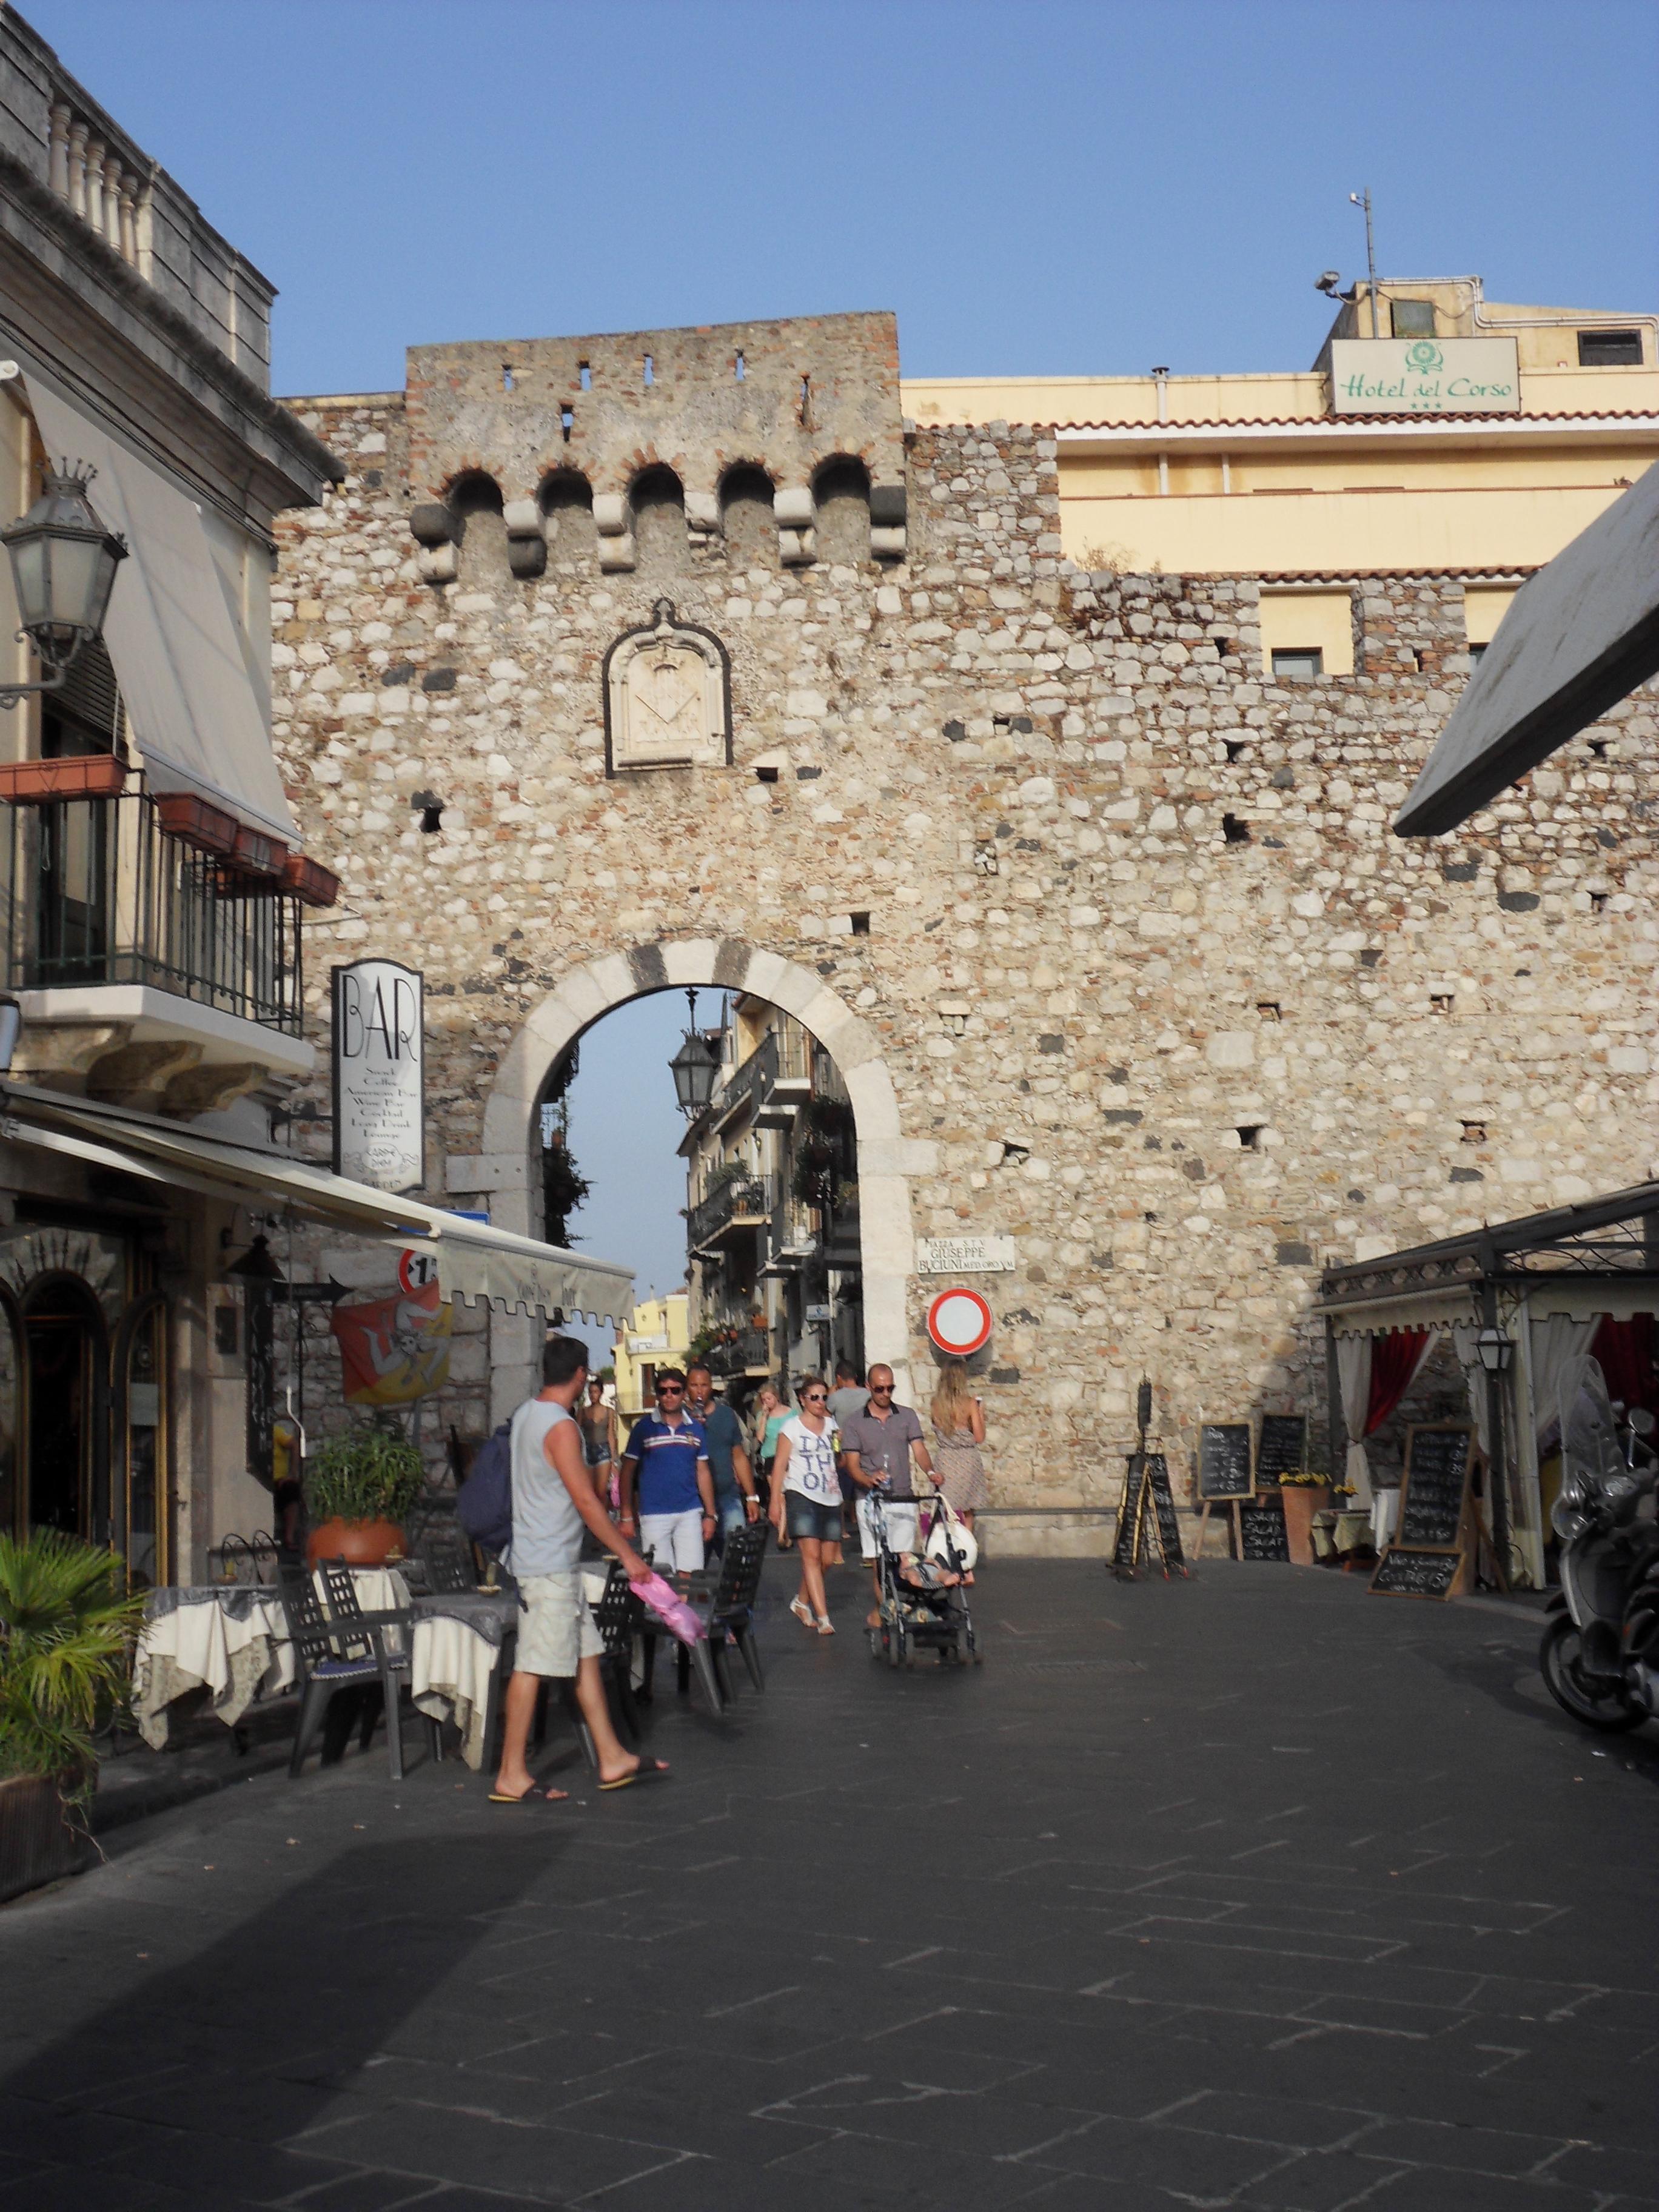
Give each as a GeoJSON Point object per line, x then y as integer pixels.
{"type": "Point", "coordinates": [1258, 1892]}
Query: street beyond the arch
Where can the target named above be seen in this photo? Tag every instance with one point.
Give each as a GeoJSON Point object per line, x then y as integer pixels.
{"type": "Point", "coordinates": [1249, 1891]}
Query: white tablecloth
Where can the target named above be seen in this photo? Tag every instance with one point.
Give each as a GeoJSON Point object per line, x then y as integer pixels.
{"type": "Point", "coordinates": [233, 1642]}
{"type": "Point", "coordinates": [202, 1643]}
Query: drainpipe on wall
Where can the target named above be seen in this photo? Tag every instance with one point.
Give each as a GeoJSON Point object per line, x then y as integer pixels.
{"type": "Point", "coordinates": [1161, 378]}
{"type": "Point", "coordinates": [1500, 1481]}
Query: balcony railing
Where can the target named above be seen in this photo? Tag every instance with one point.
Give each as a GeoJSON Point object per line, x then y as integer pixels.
{"type": "Point", "coordinates": [794, 1237]}
{"type": "Point", "coordinates": [749, 1352]}
{"type": "Point", "coordinates": [749, 1199]}
{"type": "Point", "coordinates": [95, 891]}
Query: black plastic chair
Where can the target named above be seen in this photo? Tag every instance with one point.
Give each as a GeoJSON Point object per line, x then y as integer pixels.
{"type": "Point", "coordinates": [618, 1617]}
{"type": "Point", "coordinates": [446, 1556]}
{"type": "Point", "coordinates": [342, 1649]}
{"type": "Point", "coordinates": [729, 1614]}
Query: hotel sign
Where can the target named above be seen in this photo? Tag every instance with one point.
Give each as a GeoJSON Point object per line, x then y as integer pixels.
{"type": "Point", "coordinates": [1425, 376]}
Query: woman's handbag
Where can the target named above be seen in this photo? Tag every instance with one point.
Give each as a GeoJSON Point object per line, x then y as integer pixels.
{"type": "Point", "coordinates": [948, 1533]}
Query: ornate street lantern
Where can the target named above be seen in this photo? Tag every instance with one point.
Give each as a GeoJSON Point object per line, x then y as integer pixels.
{"type": "Point", "coordinates": [62, 565]}
{"type": "Point", "coordinates": [694, 1067]}
{"type": "Point", "coordinates": [1494, 1349]}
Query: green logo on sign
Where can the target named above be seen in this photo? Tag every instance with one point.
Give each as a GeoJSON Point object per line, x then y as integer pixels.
{"type": "Point", "coordinates": [1425, 356]}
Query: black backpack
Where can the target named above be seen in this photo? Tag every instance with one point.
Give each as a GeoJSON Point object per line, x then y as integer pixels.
{"type": "Point", "coordinates": [484, 1505]}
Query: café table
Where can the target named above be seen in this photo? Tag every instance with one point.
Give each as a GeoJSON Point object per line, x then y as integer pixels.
{"type": "Point", "coordinates": [232, 1640]}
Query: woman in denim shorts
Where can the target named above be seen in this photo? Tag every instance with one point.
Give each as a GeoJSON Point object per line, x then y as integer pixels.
{"type": "Point", "coordinates": [806, 1498]}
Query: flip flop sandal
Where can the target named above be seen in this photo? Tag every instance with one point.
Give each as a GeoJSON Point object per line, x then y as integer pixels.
{"type": "Point", "coordinates": [802, 1613]}
{"type": "Point", "coordinates": [648, 1770]}
{"type": "Point", "coordinates": [505, 1798]}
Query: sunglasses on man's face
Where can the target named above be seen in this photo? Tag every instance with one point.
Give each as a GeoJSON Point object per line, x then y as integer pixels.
{"type": "Point", "coordinates": [881, 1390]}
{"type": "Point", "coordinates": [670, 1390]}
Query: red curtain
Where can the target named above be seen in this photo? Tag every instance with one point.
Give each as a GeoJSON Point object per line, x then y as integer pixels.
{"type": "Point", "coordinates": [1627, 1353]}
{"type": "Point", "coordinates": [1393, 1363]}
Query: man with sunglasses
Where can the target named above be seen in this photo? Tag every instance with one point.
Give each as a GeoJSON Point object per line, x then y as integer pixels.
{"type": "Point", "coordinates": [668, 1454]}
{"type": "Point", "coordinates": [879, 1444]}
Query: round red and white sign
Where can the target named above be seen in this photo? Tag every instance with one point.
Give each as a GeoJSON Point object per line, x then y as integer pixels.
{"type": "Point", "coordinates": [959, 1322]}
{"type": "Point", "coordinates": [416, 1271]}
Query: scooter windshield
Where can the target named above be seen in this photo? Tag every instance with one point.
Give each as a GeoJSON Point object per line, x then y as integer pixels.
{"type": "Point", "coordinates": [1589, 1433]}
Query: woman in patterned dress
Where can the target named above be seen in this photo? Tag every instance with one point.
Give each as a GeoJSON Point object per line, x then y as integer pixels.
{"type": "Point", "coordinates": [959, 1432]}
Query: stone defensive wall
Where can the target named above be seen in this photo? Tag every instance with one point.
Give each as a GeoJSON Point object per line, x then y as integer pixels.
{"type": "Point", "coordinates": [1106, 928]}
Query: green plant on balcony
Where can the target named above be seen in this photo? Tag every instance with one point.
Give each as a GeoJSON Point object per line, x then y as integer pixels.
{"type": "Point", "coordinates": [723, 1177]}
{"type": "Point", "coordinates": [67, 1624]}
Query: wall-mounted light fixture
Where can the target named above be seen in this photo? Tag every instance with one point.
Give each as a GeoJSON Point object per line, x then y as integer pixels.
{"type": "Point", "coordinates": [63, 567]}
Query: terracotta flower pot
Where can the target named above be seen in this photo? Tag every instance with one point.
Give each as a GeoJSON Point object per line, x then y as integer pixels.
{"type": "Point", "coordinates": [38, 1843]}
{"type": "Point", "coordinates": [1302, 1502]}
{"type": "Point", "coordinates": [359, 1543]}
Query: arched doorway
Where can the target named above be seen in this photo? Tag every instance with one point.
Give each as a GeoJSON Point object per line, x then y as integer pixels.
{"type": "Point", "coordinates": [66, 1476]}
{"type": "Point", "coordinates": [886, 1160]}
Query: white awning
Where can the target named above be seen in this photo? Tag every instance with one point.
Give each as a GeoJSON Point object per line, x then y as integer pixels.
{"type": "Point", "coordinates": [474, 1260]}
{"type": "Point", "coordinates": [172, 630]}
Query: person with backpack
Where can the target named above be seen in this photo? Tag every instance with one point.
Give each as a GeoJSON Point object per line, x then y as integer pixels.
{"type": "Point", "coordinates": [553, 1500]}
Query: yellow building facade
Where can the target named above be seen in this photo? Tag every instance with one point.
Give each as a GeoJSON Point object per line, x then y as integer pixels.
{"type": "Point", "coordinates": [657, 1335]}
{"type": "Point", "coordinates": [1274, 476]}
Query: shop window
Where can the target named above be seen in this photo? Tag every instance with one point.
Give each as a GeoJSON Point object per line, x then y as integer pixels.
{"type": "Point", "coordinates": [1609, 349]}
{"type": "Point", "coordinates": [1411, 318]}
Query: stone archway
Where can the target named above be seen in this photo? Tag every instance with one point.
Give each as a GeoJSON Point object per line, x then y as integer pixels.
{"type": "Point", "coordinates": [887, 1160]}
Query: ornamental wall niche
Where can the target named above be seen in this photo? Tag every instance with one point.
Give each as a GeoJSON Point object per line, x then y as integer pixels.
{"type": "Point", "coordinates": [667, 697]}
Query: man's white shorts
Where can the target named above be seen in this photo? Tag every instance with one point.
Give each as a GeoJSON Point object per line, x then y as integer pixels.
{"type": "Point", "coordinates": [901, 1515]}
{"type": "Point", "coordinates": [556, 1629]}
{"type": "Point", "coordinates": [676, 1539]}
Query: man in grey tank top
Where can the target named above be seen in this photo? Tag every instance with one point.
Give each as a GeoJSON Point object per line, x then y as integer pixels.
{"type": "Point", "coordinates": [553, 1501]}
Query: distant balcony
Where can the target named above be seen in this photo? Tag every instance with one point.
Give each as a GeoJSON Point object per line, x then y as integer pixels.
{"type": "Point", "coordinates": [794, 1237]}
{"type": "Point", "coordinates": [744, 1204]}
{"type": "Point", "coordinates": [96, 892]}
{"type": "Point", "coordinates": [749, 1352]}
{"type": "Point", "coordinates": [786, 1077]}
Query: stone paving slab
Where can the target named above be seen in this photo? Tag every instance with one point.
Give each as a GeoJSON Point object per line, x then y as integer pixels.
{"type": "Point", "coordinates": [1256, 1892]}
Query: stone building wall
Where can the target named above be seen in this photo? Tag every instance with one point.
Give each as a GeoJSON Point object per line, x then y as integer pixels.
{"type": "Point", "coordinates": [1159, 993]}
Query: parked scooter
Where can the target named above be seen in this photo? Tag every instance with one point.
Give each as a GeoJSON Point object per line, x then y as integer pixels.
{"type": "Point", "coordinates": [1609, 1565]}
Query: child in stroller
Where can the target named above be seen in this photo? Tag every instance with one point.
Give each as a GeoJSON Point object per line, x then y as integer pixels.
{"type": "Point", "coordinates": [921, 1597]}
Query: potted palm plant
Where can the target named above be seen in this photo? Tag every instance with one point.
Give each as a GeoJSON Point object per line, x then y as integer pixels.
{"type": "Point", "coordinates": [361, 1488]}
{"type": "Point", "coordinates": [66, 1627]}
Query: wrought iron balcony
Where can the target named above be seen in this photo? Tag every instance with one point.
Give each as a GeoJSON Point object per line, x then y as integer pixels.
{"type": "Point", "coordinates": [95, 891]}
{"type": "Point", "coordinates": [794, 1237]}
{"type": "Point", "coordinates": [742, 1202]}
{"type": "Point", "coordinates": [748, 1352]}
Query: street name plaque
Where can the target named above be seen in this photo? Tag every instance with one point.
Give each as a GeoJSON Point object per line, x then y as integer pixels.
{"type": "Point", "coordinates": [964, 1255]}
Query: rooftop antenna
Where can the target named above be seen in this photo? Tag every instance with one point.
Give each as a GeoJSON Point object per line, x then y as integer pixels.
{"type": "Point", "coordinates": [1363, 201]}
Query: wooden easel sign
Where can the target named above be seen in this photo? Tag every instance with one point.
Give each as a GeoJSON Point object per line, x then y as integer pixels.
{"type": "Point", "coordinates": [1226, 1472]}
{"type": "Point", "coordinates": [1434, 1542]}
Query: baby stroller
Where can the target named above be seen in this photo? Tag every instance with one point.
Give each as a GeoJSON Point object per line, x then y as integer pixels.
{"type": "Point", "coordinates": [920, 1610]}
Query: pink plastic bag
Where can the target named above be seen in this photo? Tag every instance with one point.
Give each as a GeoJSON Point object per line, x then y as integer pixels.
{"type": "Point", "coordinates": [675, 1614]}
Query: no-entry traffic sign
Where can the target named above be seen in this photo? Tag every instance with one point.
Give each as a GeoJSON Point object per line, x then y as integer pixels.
{"type": "Point", "coordinates": [959, 1321]}
{"type": "Point", "coordinates": [416, 1271]}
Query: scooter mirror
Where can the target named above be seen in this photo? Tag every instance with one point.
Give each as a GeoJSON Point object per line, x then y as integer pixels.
{"type": "Point", "coordinates": [1641, 1421]}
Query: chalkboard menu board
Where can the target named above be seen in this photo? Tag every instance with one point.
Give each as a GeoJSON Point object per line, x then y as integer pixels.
{"type": "Point", "coordinates": [1436, 1480]}
{"type": "Point", "coordinates": [1402, 1572]}
{"type": "Point", "coordinates": [1223, 1460]}
{"type": "Point", "coordinates": [1261, 1528]}
{"type": "Point", "coordinates": [1131, 1540]}
{"type": "Point", "coordinates": [1283, 1448]}
{"type": "Point", "coordinates": [1163, 1503]}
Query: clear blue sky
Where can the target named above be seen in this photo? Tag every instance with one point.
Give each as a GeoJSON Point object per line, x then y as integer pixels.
{"type": "Point", "coordinates": [1034, 186]}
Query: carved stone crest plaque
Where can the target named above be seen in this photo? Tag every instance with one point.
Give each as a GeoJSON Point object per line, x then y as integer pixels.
{"type": "Point", "coordinates": [667, 696]}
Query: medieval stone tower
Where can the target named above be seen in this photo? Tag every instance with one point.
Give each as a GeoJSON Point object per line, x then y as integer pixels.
{"type": "Point", "coordinates": [670, 657]}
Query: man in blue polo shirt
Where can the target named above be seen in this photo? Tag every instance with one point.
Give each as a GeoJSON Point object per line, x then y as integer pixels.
{"type": "Point", "coordinates": [668, 1455]}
